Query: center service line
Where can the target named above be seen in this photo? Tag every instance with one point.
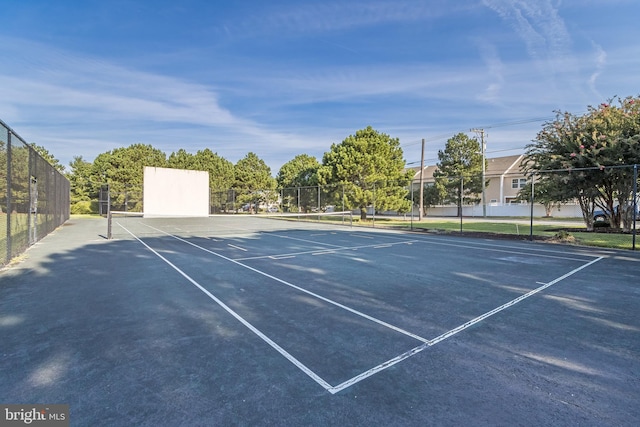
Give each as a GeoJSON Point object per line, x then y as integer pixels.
{"type": "Point", "coordinates": [252, 328]}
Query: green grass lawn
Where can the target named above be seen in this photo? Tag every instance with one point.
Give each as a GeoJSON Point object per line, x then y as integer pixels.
{"type": "Point", "coordinates": [576, 233]}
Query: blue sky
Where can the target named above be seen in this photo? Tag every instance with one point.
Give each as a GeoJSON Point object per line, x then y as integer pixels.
{"type": "Point", "coordinates": [283, 77]}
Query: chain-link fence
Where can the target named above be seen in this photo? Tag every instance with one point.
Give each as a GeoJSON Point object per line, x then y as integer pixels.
{"type": "Point", "coordinates": [588, 207]}
{"type": "Point", "coordinates": [34, 199]}
{"type": "Point", "coordinates": [127, 198]}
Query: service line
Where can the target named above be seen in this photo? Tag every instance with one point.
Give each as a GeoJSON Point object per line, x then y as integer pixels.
{"type": "Point", "coordinates": [291, 285]}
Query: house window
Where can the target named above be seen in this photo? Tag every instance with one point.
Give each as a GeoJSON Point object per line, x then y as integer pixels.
{"type": "Point", "coordinates": [518, 182]}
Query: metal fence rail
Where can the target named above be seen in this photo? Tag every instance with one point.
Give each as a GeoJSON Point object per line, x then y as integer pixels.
{"type": "Point", "coordinates": [515, 206]}
{"type": "Point", "coordinates": [35, 198]}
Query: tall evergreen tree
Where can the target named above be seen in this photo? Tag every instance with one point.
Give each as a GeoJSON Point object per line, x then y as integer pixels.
{"type": "Point", "coordinates": [459, 174]}
{"type": "Point", "coordinates": [254, 184]}
{"type": "Point", "coordinates": [298, 180]}
{"type": "Point", "coordinates": [369, 168]}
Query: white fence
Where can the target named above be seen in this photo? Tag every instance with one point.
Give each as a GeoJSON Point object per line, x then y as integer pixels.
{"type": "Point", "coordinates": [498, 210]}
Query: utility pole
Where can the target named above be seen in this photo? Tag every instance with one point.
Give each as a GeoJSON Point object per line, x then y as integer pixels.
{"type": "Point", "coordinates": [420, 213]}
{"type": "Point", "coordinates": [483, 148]}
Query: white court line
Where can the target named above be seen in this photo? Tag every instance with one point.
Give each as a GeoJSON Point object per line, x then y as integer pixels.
{"type": "Point", "coordinates": [306, 241]}
{"type": "Point", "coordinates": [378, 368]}
{"type": "Point", "coordinates": [512, 252]}
{"type": "Point", "coordinates": [291, 285]}
{"type": "Point", "coordinates": [237, 247]}
{"type": "Point", "coordinates": [453, 331]}
{"type": "Point", "coordinates": [252, 328]}
{"type": "Point", "coordinates": [529, 250]}
{"type": "Point", "coordinates": [345, 248]}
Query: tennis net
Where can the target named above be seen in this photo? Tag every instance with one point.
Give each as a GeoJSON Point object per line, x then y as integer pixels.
{"type": "Point", "coordinates": [122, 225]}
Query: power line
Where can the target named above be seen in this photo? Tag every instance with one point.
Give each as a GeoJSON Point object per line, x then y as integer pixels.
{"type": "Point", "coordinates": [496, 125]}
{"type": "Point", "coordinates": [521, 149]}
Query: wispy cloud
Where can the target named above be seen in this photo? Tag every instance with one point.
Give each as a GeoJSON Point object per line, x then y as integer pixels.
{"type": "Point", "coordinates": [89, 99]}
{"type": "Point", "coordinates": [547, 41]}
{"type": "Point", "coordinates": [270, 81]}
{"type": "Point", "coordinates": [86, 86]}
{"type": "Point", "coordinates": [538, 24]}
{"type": "Point", "coordinates": [314, 17]}
{"type": "Point", "coordinates": [495, 70]}
{"type": "Point", "coordinates": [600, 62]}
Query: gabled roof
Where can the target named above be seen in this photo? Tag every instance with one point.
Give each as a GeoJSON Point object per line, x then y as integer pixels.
{"type": "Point", "coordinates": [500, 165]}
{"type": "Point", "coordinates": [495, 167]}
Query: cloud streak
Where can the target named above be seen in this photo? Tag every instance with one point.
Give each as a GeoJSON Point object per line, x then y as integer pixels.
{"type": "Point", "coordinates": [331, 16]}
{"type": "Point", "coordinates": [282, 79]}
{"type": "Point", "coordinates": [538, 24]}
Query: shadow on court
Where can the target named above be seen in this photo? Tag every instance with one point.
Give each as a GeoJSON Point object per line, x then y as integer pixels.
{"type": "Point", "coordinates": [124, 338]}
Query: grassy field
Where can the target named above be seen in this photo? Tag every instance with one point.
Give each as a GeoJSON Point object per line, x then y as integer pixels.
{"type": "Point", "coordinates": [552, 230]}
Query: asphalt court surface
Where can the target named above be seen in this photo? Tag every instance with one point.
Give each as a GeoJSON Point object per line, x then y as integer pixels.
{"type": "Point", "coordinates": [342, 302]}
{"type": "Point", "coordinates": [220, 322]}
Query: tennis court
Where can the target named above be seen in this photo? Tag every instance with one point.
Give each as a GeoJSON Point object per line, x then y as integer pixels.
{"type": "Point", "coordinates": [248, 320]}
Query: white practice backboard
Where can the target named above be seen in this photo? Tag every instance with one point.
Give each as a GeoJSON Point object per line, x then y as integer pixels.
{"type": "Point", "coordinates": [175, 192]}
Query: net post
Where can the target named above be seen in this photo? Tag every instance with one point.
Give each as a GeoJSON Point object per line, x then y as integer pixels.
{"type": "Point", "coordinates": [109, 224]}
{"type": "Point", "coordinates": [109, 217]}
{"type": "Point", "coordinates": [635, 205]}
{"type": "Point", "coordinates": [531, 201]}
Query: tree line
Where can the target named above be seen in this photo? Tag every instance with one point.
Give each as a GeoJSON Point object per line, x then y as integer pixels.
{"type": "Point", "coordinates": [572, 158]}
{"type": "Point", "coordinates": [367, 164]}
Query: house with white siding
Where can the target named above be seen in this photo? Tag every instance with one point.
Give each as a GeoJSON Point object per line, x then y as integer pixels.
{"type": "Point", "coordinates": [505, 178]}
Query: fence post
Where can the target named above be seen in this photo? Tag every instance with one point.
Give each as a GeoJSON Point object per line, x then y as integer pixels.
{"type": "Point", "coordinates": [412, 206]}
{"type": "Point", "coordinates": [374, 205]}
{"type": "Point", "coordinates": [9, 195]}
{"type": "Point", "coordinates": [461, 200]}
{"type": "Point", "coordinates": [109, 229]}
{"type": "Point", "coordinates": [533, 179]}
{"type": "Point", "coordinates": [635, 204]}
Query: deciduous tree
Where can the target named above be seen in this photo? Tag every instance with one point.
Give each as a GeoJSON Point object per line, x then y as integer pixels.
{"type": "Point", "coordinates": [594, 153]}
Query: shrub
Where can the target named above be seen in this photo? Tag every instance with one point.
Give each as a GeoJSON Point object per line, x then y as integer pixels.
{"type": "Point", "coordinates": [564, 236]}
{"type": "Point", "coordinates": [84, 207]}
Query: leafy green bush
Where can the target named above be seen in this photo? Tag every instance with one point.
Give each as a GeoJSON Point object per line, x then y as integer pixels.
{"type": "Point", "coordinates": [565, 236]}
{"type": "Point", "coordinates": [84, 207]}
